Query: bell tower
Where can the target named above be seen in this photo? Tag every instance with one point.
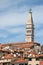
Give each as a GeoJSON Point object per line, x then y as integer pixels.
{"type": "Point", "coordinates": [30, 28]}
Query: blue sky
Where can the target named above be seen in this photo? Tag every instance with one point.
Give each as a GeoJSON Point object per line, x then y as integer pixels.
{"type": "Point", "coordinates": [13, 19]}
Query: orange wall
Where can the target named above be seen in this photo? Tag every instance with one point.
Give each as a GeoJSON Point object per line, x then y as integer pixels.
{"type": "Point", "coordinates": [41, 63]}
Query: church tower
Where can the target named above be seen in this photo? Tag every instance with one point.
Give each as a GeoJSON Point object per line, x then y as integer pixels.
{"type": "Point", "coordinates": [30, 28]}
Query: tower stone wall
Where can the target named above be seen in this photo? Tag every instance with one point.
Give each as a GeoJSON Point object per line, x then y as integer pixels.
{"type": "Point", "coordinates": [30, 28]}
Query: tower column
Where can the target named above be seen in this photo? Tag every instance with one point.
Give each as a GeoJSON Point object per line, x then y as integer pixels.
{"type": "Point", "coordinates": [30, 28]}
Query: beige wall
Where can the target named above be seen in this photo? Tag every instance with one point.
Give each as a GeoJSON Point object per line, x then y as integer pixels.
{"type": "Point", "coordinates": [33, 62]}
{"type": "Point", "coordinates": [5, 60]}
{"type": "Point", "coordinates": [37, 48]}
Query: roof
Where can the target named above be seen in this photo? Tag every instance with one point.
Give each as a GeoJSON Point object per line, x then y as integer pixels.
{"type": "Point", "coordinates": [8, 56]}
{"type": "Point", "coordinates": [39, 55]}
{"type": "Point", "coordinates": [19, 60]}
{"type": "Point", "coordinates": [19, 44]}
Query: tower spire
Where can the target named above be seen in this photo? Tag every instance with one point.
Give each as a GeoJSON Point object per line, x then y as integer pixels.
{"type": "Point", "coordinates": [30, 11]}
{"type": "Point", "coordinates": [30, 28]}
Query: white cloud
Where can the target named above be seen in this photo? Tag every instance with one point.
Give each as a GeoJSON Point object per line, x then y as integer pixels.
{"type": "Point", "coordinates": [12, 19]}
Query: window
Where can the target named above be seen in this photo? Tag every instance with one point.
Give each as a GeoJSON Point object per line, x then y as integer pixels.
{"type": "Point", "coordinates": [42, 59]}
{"type": "Point", "coordinates": [30, 59]}
{"type": "Point", "coordinates": [25, 63]}
{"type": "Point", "coordinates": [37, 64]}
{"type": "Point", "coordinates": [37, 59]}
{"type": "Point", "coordinates": [4, 63]}
{"type": "Point", "coordinates": [9, 64]}
{"type": "Point", "coordinates": [12, 64]}
{"type": "Point", "coordinates": [21, 64]}
{"type": "Point", "coordinates": [29, 64]}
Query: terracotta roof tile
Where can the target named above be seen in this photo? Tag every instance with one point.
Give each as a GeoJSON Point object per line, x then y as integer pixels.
{"type": "Point", "coordinates": [20, 61]}
{"type": "Point", "coordinates": [8, 56]}
{"type": "Point", "coordinates": [39, 55]}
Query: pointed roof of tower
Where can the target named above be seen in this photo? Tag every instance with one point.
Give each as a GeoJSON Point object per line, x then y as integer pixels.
{"type": "Point", "coordinates": [30, 19]}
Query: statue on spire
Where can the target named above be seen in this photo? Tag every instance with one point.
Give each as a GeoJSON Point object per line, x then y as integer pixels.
{"type": "Point", "coordinates": [30, 10]}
